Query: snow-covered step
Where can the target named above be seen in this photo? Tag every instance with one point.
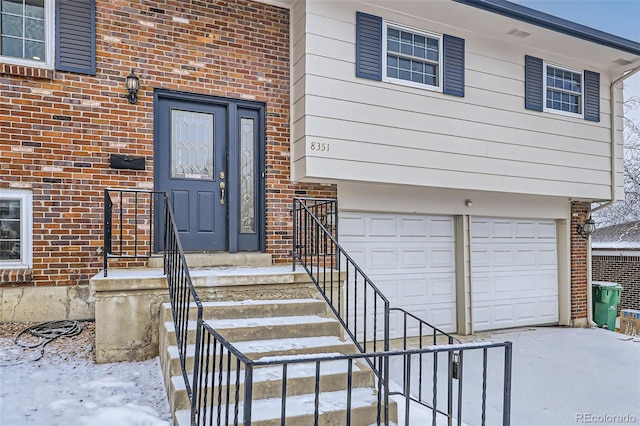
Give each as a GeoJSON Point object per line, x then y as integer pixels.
{"type": "Point", "coordinates": [267, 381]}
{"type": "Point", "coordinates": [243, 329]}
{"type": "Point", "coordinates": [300, 410]}
{"type": "Point", "coordinates": [273, 330]}
{"type": "Point", "coordinates": [258, 308]}
{"type": "Point", "coordinates": [255, 349]}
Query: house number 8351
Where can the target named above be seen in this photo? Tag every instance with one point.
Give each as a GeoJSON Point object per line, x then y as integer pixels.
{"type": "Point", "coordinates": [317, 146]}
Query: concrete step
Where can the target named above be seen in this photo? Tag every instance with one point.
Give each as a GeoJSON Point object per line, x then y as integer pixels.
{"type": "Point", "coordinates": [244, 329]}
{"type": "Point", "coordinates": [256, 308]}
{"type": "Point", "coordinates": [300, 410]}
{"type": "Point", "coordinates": [267, 381]}
{"type": "Point", "coordinates": [207, 260]}
{"type": "Point", "coordinates": [259, 349]}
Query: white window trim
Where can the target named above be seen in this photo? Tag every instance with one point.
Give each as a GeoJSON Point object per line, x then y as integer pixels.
{"type": "Point", "coordinates": [544, 91]}
{"type": "Point", "coordinates": [26, 228]}
{"type": "Point", "coordinates": [399, 81]}
{"type": "Point", "coordinates": [49, 40]}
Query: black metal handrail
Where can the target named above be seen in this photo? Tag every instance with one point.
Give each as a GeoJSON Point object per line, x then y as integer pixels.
{"type": "Point", "coordinates": [227, 379]}
{"type": "Point", "coordinates": [143, 208]}
{"type": "Point", "coordinates": [316, 248]}
{"type": "Point", "coordinates": [125, 211]}
{"type": "Point", "coordinates": [183, 296]}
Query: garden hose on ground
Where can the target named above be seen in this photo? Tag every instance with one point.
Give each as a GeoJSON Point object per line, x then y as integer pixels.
{"type": "Point", "coordinates": [45, 333]}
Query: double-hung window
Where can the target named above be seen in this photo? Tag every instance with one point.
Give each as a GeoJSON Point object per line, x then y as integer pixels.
{"type": "Point", "coordinates": [15, 229]}
{"type": "Point", "coordinates": [26, 32]}
{"type": "Point", "coordinates": [413, 56]}
{"type": "Point", "coordinates": [563, 90]}
{"type": "Point", "coordinates": [390, 52]}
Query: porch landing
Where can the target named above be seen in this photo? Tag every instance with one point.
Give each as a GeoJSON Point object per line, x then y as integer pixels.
{"type": "Point", "coordinates": [127, 301]}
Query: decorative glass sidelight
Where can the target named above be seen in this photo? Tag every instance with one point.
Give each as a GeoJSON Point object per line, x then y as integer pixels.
{"type": "Point", "coordinates": [191, 145]}
{"type": "Point", "coordinates": [247, 176]}
{"type": "Point", "coordinates": [10, 237]}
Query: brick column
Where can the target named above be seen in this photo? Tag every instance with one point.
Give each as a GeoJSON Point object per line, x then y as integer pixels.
{"type": "Point", "coordinates": [578, 265]}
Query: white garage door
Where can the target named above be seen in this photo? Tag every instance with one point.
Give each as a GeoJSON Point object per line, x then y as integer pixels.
{"type": "Point", "coordinates": [410, 258]}
{"type": "Point", "coordinates": [514, 272]}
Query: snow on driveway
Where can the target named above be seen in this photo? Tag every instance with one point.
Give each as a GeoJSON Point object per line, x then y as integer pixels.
{"type": "Point", "coordinates": [561, 376]}
{"type": "Point", "coordinates": [565, 376]}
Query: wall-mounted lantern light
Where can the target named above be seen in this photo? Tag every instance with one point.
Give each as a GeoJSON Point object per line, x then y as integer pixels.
{"type": "Point", "coordinates": [133, 85]}
{"type": "Point", "coordinates": [587, 228]}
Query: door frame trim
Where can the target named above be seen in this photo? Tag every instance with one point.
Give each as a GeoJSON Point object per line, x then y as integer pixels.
{"type": "Point", "coordinates": [231, 105]}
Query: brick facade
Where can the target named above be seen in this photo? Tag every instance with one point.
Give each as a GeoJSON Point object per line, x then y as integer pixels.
{"type": "Point", "coordinates": [624, 270]}
{"type": "Point", "coordinates": [58, 129]}
{"type": "Point", "coordinates": [578, 262]}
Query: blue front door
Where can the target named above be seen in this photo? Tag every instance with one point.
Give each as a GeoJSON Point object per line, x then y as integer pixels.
{"type": "Point", "coordinates": [209, 159]}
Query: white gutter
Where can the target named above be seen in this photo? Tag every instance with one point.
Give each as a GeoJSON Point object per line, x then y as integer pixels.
{"type": "Point", "coordinates": [612, 129]}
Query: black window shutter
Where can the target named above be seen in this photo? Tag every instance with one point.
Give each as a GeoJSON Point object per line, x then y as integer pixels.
{"type": "Point", "coordinates": [534, 86]}
{"type": "Point", "coordinates": [368, 46]}
{"type": "Point", "coordinates": [453, 67]}
{"type": "Point", "coordinates": [76, 36]}
{"type": "Point", "coordinates": [592, 96]}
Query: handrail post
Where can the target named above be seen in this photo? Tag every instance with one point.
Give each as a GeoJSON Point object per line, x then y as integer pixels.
{"type": "Point", "coordinates": [506, 403]}
{"type": "Point", "coordinates": [385, 373]}
{"type": "Point", "coordinates": [196, 367]}
{"type": "Point", "coordinates": [107, 231]}
{"type": "Point", "coordinates": [294, 215]}
{"type": "Point", "coordinates": [248, 393]}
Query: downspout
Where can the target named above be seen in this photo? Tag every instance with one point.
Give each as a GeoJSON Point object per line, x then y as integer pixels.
{"type": "Point", "coordinates": [612, 129]}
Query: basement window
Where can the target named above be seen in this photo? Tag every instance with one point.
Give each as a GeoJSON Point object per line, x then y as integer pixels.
{"type": "Point", "coordinates": [16, 227]}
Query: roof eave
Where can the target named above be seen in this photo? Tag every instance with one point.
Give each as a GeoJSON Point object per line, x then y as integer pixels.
{"type": "Point", "coordinates": [550, 22]}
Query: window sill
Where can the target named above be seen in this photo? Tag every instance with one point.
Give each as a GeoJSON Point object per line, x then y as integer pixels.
{"type": "Point", "coordinates": [26, 71]}
{"type": "Point", "coordinates": [16, 276]}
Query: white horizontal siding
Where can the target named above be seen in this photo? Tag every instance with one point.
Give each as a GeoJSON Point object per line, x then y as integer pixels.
{"type": "Point", "coordinates": [330, 168]}
{"type": "Point", "coordinates": [486, 140]}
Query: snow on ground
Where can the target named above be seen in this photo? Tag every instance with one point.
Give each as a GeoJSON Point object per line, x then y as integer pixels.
{"type": "Point", "coordinates": [561, 376]}
{"type": "Point", "coordinates": [78, 392]}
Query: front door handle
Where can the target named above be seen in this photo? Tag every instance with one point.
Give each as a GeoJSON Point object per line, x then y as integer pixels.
{"type": "Point", "coordinates": [222, 191]}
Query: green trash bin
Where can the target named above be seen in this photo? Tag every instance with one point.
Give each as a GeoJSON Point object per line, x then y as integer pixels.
{"type": "Point", "coordinates": [605, 315]}
{"type": "Point", "coordinates": [606, 292]}
{"type": "Point", "coordinates": [606, 296]}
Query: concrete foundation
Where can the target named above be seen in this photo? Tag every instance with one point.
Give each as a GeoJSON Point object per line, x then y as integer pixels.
{"type": "Point", "coordinates": [41, 304]}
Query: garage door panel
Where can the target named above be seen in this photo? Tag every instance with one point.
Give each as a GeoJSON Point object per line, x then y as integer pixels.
{"type": "Point", "coordinates": [413, 227]}
{"type": "Point", "coordinates": [382, 226]}
{"type": "Point", "coordinates": [442, 317]}
{"type": "Point", "coordinates": [547, 257]}
{"type": "Point", "coordinates": [381, 259]}
{"type": "Point", "coordinates": [510, 256]}
{"type": "Point", "coordinates": [441, 228]}
{"type": "Point", "coordinates": [351, 225]}
{"type": "Point", "coordinates": [515, 313]}
{"type": "Point", "coordinates": [548, 310]}
{"type": "Point", "coordinates": [442, 258]}
{"type": "Point", "coordinates": [513, 284]}
{"type": "Point", "coordinates": [413, 258]}
{"type": "Point", "coordinates": [546, 230]}
{"type": "Point", "coordinates": [513, 230]}
{"type": "Point", "coordinates": [503, 287]}
{"type": "Point", "coordinates": [439, 258]}
{"type": "Point", "coordinates": [358, 255]}
{"type": "Point", "coordinates": [410, 258]}
{"type": "Point", "coordinates": [481, 316]}
{"type": "Point", "coordinates": [412, 289]}
{"type": "Point", "coordinates": [503, 313]}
